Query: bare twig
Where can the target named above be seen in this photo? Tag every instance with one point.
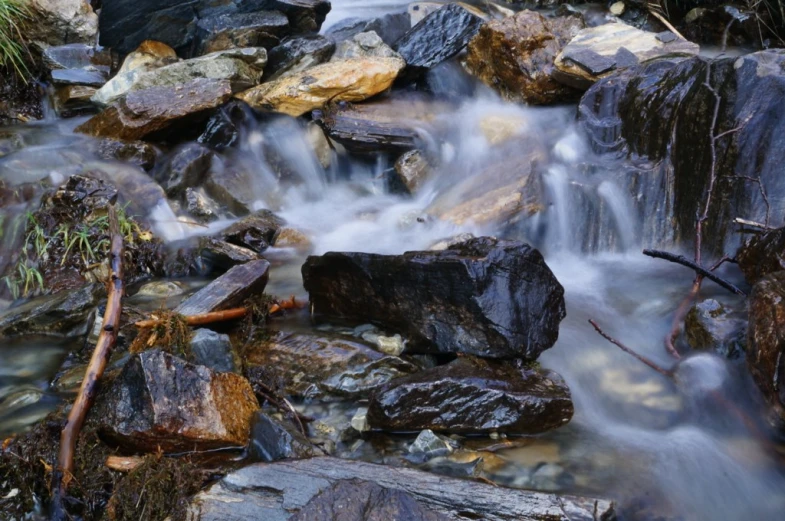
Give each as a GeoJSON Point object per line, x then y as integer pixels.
{"type": "Point", "coordinates": [627, 350]}
{"type": "Point", "coordinates": [200, 320]}
{"type": "Point", "coordinates": [752, 224]}
{"type": "Point", "coordinates": [700, 270]}
{"type": "Point", "coordinates": [63, 474]}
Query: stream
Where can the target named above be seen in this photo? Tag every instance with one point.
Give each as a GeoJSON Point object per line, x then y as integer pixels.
{"type": "Point", "coordinates": [637, 437]}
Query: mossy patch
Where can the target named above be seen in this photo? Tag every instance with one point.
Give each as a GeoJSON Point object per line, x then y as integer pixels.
{"type": "Point", "coordinates": [172, 334]}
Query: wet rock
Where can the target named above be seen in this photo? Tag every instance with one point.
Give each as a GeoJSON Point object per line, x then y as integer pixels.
{"type": "Point", "coordinates": [305, 16]}
{"type": "Point", "coordinates": [273, 491]}
{"type": "Point", "coordinates": [148, 56]}
{"type": "Point", "coordinates": [298, 54]}
{"type": "Point", "coordinates": [473, 396]}
{"type": "Point", "coordinates": [160, 402]}
{"type": "Point", "coordinates": [347, 80]}
{"type": "Point", "coordinates": [73, 100]}
{"type": "Point", "coordinates": [292, 238]}
{"type": "Point", "coordinates": [321, 146]}
{"type": "Point", "coordinates": [223, 255]}
{"type": "Point", "coordinates": [443, 244]}
{"type": "Point", "coordinates": [160, 289]}
{"type": "Point", "coordinates": [762, 254]}
{"type": "Point", "coordinates": [144, 112]}
{"type": "Point", "coordinates": [431, 445]}
{"type": "Point", "coordinates": [213, 350]}
{"type": "Point", "coordinates": [78, 77]}
{"type": "Point", "coordinates": [228, 290]}
{"type": "Point", "coordinates": [272, 440]}
{"type": "Point", "coordinates": [411, 170]}
{"type": "Point", "coordinates": [19, 101]}
{"type": "Point", "coordinates": [223, 128]}
{"type": "Point", "coordinates": [438, 37]}
{"type": "Point", "coordinates": [257, 232]}
{"type": "Point", "coordinates": [62, 314]}
{"type": "Point", "coordinates": [230, 31]}
{"type": "Point", "coordinates": [709, 325]}
{"type": "Point", "coordinates": [125, 24]}
{"type": "Point", "coordinates": [137, 153]}
{"type": "Point", "coordinates": [485, 297]}
{"type": "Point", "coordinates": [187, 168]}
{"type": "Point", "coordinates": [200, 206]}
{"type": "Point", "coordinates": [310, 365]}
{"type": "Point", "coordinates": [598, 51]}
{"type": "Point", "coordinates": [235, 188]}
{"type": "Point", "coordinates": [390, 27]}
{"type": "Point", "coordinates": [766, 340]}
{"type": "Point", "coordinates": [359, 421]}
{"type": "Point", "coordinates": [364, 45]}
{"type": "Point", "coordinates": [515, 56]}
{"type": "Point", "coordinates": [76, 56]}
{"type": "Point", "coordinates": [722, 25]}
{"type": "Point", "coordinates": [59, 22]}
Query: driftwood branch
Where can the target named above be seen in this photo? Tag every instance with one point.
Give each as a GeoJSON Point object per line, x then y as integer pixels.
{"type": "Point", "coordinates": [699, 270]}
{"type": "Point", "coordinates": [109, 329]}
{"type": "Point", "coordinates": [200, 320]}
{"type": "Point", "coordinates": [629, 351]}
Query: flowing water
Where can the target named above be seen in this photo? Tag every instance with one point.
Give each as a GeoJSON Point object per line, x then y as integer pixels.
{"type": "Point", "coordinates": [637, 436]}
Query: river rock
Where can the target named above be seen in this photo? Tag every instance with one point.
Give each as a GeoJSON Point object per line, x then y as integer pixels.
{"type": "Point", "coordinates": [305, 16]}
{"type": "Point", "coordinates": [709, 325]}
{"type": "Point", "coordinates": [390, 27]}
{"type": "Point", "coordinates": [59, 22]}
{"type": "Point", "coordinates": [213, 350]}
{"type": "Point", "coordinates": [138, 153]}
{"type": "Point", "coordinates": [309, 365]}
{"type": "Point", "coordinates": [161, 402]}
{"type": "Point", "coordinates": [411, 171]}
{"type": "Point", "coordinates": [148, 56]}
{"type": "Point", "coordinates": [274, 491]}
{"type": "Point", "coordinates": [76, 56]}
{"type": "Point", "coordinates": [598, 51]}
{"type": "Point", "coordinates": [73, 100]}
{"type": "Point", "coordinates": [272, 440]}
{"type": "Point", "coordinates": [485, 297]}
{"type": "Point", "coordinates": [125, 23]}
{"type": "Point", "coordinates": [230, 31]}
{"type": "Point", "coordinates": [222, 255]}
{"type": "Point", "coordinates": [186, 168]}
{"type": "Point", "coordinates": [297, 54]}
{"type": "Point", "coordinates": [257, 232]}
{"type": "Point", "coordinates": [236, 188]}
{"type": "Point", "coordinates": [762, 254]}
{"type": "Point", "coordinates": [144, 112]}
{"type": "Point", "coordinates": [78, 77]}
{"type": "Point", "coordinates": [364, 45]}
{"type": "Point", "coordinates": [200, 206]}
{"type": "Point", "coordinates": [515, 56]}
{"type": "Point", "coordinates": [228, 290]}
{"type": "Point", "coordinates": [347, 80]}
{"type": "Point", "coordinates": [223, 128]}
{"type": "Point", "coordinates": [64, 314]}
{"type": "Point", "coordinates": [766, 340]}
{"type": "Point", "coordinates": [473, 396]}
{"type": "Point", "coordinates": [438, 37]}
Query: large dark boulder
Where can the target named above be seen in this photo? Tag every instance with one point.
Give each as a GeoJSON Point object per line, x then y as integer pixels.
{"type": "Point", "coordinates": [762, 254]}
{"type": "Point", "coordinates": [485, 297]}
{"type": "Point", "coordinates": [473, 396]}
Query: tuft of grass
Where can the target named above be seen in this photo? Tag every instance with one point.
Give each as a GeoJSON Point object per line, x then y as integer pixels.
{"type": "Point", "coordinates": [172, 334]}
{"type": "Point", "coordinates": [13, 51]}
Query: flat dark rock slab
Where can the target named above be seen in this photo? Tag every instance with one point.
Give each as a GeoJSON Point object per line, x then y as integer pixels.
{"type": "Point", "coordinates": [280, 491]}
{"type": "Point", "coordinates": [228, 290]}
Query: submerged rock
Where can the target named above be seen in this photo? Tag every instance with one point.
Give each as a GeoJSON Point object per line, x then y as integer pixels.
{"type": "Point", "coordinates": [598, 51]}
{"type": "Point", "coordinates": [515, 56]}
{"type": "Point", "coordinates": [257, 232]}
{"type": "Point", "coordinates": [236, 188]}
{"type": "Point", "coordinates": [347, 80]}
{"type": "Point", "coordinates": [76, 56]}
{"type": "Point", "coordinates": [485, 297]}
{"type": "Point", "coordinates": [230, 31]}
{"type": "Point", "coordinates": [473, 396]}
{"type": "Point", "coordinates": [160, 402]}
{"type": "Point", "coordinates": [298, 54]}
{"type": "Point", "coordinates": [272, 440]}
{"type": "Point", "coordinates": [762, 254]}
{"type": "Point", "coordinates": [766, 340]}
{"type": "Point", "coordinates": [73, 100]}
{"type": "Point", "coordinates": [63, 314]}
{"type": "Point", "coordinates": [709, 325]}
{"type": "Point", "coordinates": [145, 112]}
{"type": "Point", "coordinates": [438, 37]}
{"type": "Point", "coordinates": [308, 365]}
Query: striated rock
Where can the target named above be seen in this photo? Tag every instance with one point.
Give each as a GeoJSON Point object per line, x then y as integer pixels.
{"type": "Point", "coordinates": [305, 16]}
{"type": "Point", "coordinates": [309, 366]}
{"type": "Point", "coordinates": [223, 255]}
{"type": "Point", "coordinates": [144, 112]}
{"type": "Point", "coordinates": [709, 325]}
{"type": "Point", "coordinates": [230, 31]}
{"type": "Point", "coordinates": [438, 37]}
{"type": "Point", "coordinates": [762, 254]}
{"type": "Point", "coordinates": [411, 171]}
{"type": "Point", "coordinates": [348, 80]}
{"type": "Point", "coordinates": [125, 23]}
{"type": "Point", "coordinates": [59, 22]}
{"type": "Point", "coordinates": [148, 56]}
{"type": "Point", "coordinates": [297, 54]}
{"type": "Point", "coordinates": [515, 56]}
{"type": "Point", "coordinates": [485, 297]}
{"type": "Point", "coordinates": [161, 402]}
{"type": "Point", "coordinates": [390, 27]}
{"type": "Point", "coordinates": [213, 350]}
{"type": "Point", "coordinates": [766, 340]}
{"type": "Point", "coordinates": [364, 45]}
{"type": "Point", "coordinates": [473, 396]}
{"type": "Point", "coordinates": [228, 290]}
{"type": "Point", "coordinates": [598, 51]}
{"type": "Point", "coordinates": [63, 314]}
{"type": "Point", "coordinates": [257, 232]}
{"type": "Point", "coordinates": [138, 153]}
{"type": "Point", "coordinates": [272, 440]}
{"type": "Point", "coordinates": [78, 77]}
{"type": "Point", "coordinates": [186, 168]}
{"type": "Point", "coordinates": [273, 491]}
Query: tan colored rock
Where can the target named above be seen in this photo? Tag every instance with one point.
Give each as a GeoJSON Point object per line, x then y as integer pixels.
{"type": "Point", "coordinates": [598, 51]}
{"type": "Point", "coordinates": [498, 128]}
{"type": "Point", "coordinates": [355, 79]}
{"type": "Point", "coordinates": [57, 22]}
{"type": "Point", "coordinates": [146, 111]}
{"type": "Point", "coordinates": [515, 56]}
{"type": "Point", "coordinates": [290, 237]}
{"type": "Point", "coordinates": [411, 170]}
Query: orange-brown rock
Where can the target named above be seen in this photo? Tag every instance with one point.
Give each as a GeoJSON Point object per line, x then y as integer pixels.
{"type": "Point", "coordinates": [515, 56]}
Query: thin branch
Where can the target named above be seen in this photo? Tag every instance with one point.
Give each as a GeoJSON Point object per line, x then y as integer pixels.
{"type": "Point", "coordinates": [666, 23]}
{"type": "Point", "coordinates": [200, 320]}
{"type": "Point", "coordinates": [762, 190]}
{"type": "Point", "coordinates": [700, 270]}
{"type": "Point", "coordinates": [629, 351]}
